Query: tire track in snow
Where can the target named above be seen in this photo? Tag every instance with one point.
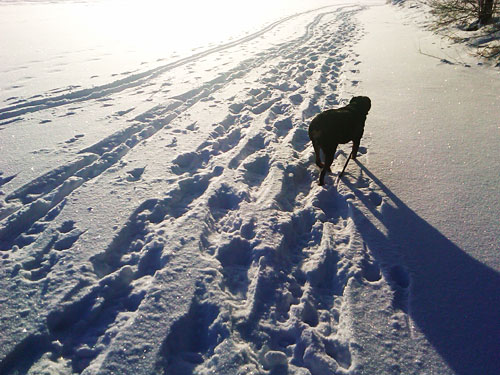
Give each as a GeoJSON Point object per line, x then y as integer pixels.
{"type": "Point", "coordinates": [130, 81]}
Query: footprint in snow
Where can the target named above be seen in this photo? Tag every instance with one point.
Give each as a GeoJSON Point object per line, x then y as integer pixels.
{"type": "Point", "coordinates": [256, 170]}
{"type": "Point", "coordinates": [135, 174]}
{"type": "Point", "coordinates": [66, 241]}
{"type": "Point", "coordinates": [283, 126]}
{"type": "Point", "coordinates": [399, 278]}
{"type": "Point", "coordinates": [75, 138]}
{"type": "Point", "coordinates": [371, 269]}
{"type": "Point", "coordinates": [236, 108]}
{"type": "Point", "coordinates": [193, 126]}
{"type": "Point", "coordinates": [4, 180]}
{"type": "Point", "coordinates": [67, 226]}
{"type": "Point", "coordinates": [296, 99]}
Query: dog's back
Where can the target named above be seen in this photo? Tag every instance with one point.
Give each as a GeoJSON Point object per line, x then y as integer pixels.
{"type": "Point", "coordinates": [335, 126]}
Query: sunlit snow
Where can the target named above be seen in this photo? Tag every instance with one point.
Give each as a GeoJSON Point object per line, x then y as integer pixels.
{"type": "Point", "coordinates": [159, 205]}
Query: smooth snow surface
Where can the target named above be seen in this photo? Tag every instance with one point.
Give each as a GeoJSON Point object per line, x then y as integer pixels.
{"type": "Point", "coordinates": [160, 212]}
{"type": "Point", "coordinates": [434, 141]}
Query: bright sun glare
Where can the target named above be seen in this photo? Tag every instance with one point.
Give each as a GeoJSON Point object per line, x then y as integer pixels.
{"type": "Point", "coordinates": [157, 23]}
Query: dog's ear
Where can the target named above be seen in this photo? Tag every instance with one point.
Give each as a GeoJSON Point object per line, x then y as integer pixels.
{"type": "Point", "coordinates": [363, 103]}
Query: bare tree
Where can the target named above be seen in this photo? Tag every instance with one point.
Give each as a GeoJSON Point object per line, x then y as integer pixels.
{"type": "Point", "coordinates": [485, 11]}
{"type": "Point", "coordinates": [475, 12]}
{"type": "Point", "coordinates": [480, 16]}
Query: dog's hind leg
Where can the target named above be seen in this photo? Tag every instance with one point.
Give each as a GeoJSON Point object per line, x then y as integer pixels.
{"type": "Point", "coordinates": [326, 168]}
{"type": "Point", "coordinates": [317, 154]}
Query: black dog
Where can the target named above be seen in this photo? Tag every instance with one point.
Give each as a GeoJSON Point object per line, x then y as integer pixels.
{"type": "Point", "coordinates": [335, 126]}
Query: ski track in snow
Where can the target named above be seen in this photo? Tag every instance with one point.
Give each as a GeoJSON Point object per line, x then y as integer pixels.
{"type": "Point", "coordinates": [225, 256]}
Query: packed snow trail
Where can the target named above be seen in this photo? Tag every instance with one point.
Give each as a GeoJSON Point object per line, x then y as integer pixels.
{"type": "Point", "coordinates": [194, 237]}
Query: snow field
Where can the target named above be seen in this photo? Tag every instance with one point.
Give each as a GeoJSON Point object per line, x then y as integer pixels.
{"type": "Point", "coordinates": [172, 222]}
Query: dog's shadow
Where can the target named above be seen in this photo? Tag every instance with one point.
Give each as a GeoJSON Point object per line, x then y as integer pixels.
{"type": "Point", "coordinates": [453, 298]}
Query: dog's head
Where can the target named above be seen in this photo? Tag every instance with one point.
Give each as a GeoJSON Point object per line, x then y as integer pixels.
{"type": "Point", "coordinates": [361, 103]}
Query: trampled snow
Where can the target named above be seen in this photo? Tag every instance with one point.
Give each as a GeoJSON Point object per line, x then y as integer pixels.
{"type": "Point", "coordinates": [160, 212]}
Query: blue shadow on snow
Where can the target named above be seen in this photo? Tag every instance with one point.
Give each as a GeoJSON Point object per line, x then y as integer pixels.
{"type": "Point", "coordinates": [453, 298]}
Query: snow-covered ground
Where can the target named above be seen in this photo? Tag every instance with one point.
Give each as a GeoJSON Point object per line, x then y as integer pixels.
{"type": "Point", "coordinates": [160, 212]}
